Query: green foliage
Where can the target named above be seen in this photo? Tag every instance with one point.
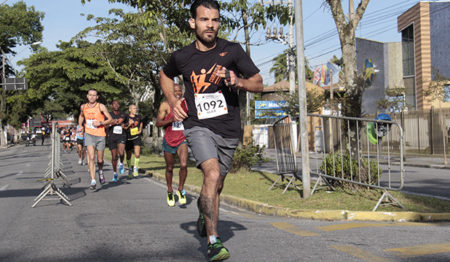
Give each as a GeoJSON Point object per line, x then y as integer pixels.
{"type": "Point", "coordinates": [314, 101]}
{"type": "Point", "coordinates": [63, 78]}
{"type": "Point", "coordinates": [19, 25]}
{"type": "Point", "coordinates": [395, 101]}
{"type": "Point", "coordinates": [436, 89]}
{"type": "Point", "coordinates": [281, 71]}
{"type": "Point", "coordinates": [247, 156]}
{"type": "Point", "coordinates": [342, 165]}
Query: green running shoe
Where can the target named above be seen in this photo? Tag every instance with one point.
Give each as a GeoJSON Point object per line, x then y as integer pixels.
{"type": "Point", "coordinates": [170, 199]}
{"type": "Point", "coordinates": [201, 227]}
{"type": "Point", "coordinates": [182, 197]}
{"type": "Point", "coordinates": [217, 252]}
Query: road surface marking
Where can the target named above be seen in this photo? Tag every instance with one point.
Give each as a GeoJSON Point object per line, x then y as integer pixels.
{"type": "Point", "coordinates": [20, 173]}
{"type": "Point", "coordinates": [421, 250]}
{"type": "Point", "coordinates": [359, 253]}
{"type": "Point", "coordinates": [347, 226]}
{"type": "Point", "coordinates": [4, 187]}
{"type": "Point", "coordinates": [293, 229]}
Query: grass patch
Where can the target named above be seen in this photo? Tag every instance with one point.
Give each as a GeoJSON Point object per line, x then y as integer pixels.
{"type": "Point", "coordinates": [254, 186]}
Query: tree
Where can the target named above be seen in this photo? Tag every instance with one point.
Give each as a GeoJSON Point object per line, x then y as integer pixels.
{"type": "Point", "coordinates": [281, 71]}
{"type": "Point", "coordinates": [346, 27]}
{"type": "Point", "coordinates": [19, 25]}
{"type": "Point", "coordinates": [64, 77]}
{"type": "Point", "coordinates": [436, 92]}
{"type": "Point", "coordinates": [395, 101]}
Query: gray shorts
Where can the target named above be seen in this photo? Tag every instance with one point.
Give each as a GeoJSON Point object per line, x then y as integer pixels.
{"type": "Point", "coordinates": [205, 145]}
{"type": "Point", "coordinates": [97, 141]}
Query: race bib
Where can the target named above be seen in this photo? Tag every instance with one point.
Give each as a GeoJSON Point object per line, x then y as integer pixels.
{"type": "Point", "coordinates": [210, 105]}
{"type": "Point", "coordinates": [117, 130]}
{"type": "Point", "coordinates": [90, 123]}
{"type": "Point", "coordinates": [177, 126]}
{"type": "Point", "coordinates": [134, 131]}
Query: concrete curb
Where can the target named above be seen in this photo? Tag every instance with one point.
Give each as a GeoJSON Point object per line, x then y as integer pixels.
{"type": "Point", "coordinates": [347, 215]}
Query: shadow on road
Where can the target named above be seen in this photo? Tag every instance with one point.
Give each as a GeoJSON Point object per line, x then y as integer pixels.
{"type": "Point", "coordinates": [226, 231]}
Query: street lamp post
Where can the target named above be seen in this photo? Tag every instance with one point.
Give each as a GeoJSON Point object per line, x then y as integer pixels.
{"type": "Point", "coordinates": [290, 42]}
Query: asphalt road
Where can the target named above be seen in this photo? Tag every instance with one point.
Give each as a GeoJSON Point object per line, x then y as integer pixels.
{"type": "Point", "coordinates": [130, 221]}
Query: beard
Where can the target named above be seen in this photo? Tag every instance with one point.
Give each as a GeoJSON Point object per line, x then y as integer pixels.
{"type": "Point", "coordinates": [206, 41]}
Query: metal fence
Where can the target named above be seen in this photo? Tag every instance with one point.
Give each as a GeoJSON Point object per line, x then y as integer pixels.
{"type": "Point", "coordinates": [424, 131]}
{"type": "Point", "coordinates": [350, 150]}
{"type": "Point", "coordinates": [54, 172]}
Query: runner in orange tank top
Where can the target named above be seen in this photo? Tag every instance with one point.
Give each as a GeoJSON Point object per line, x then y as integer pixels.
{"type": "Point", "coordinates": [174, 142]}
{"type": "Point", "coordinates": [92, 124]}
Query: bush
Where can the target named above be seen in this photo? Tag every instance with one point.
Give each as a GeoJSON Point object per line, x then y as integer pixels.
{"type": "Point", "coordinates": [341, 165]}
{"type": "Point", "coordinates": [247, 156]}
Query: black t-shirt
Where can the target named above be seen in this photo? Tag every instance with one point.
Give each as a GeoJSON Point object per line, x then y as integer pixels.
{"type": "Point", "coordinates": [111, 127]}
{"type": "Point", "coordinates": [67, 134]}
{"type": "Point", "coordinates": [198, 69]}
{"type": "Point", "coordinates": [132, 128]}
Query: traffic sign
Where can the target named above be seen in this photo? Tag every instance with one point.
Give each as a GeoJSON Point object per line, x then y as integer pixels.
{"type": "Point", "coordinates": [15, 84]}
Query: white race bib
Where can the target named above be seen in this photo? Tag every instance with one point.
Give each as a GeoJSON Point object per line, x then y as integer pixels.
{"type": "Point", "coordinates": [210, 105]}
{"type": "Point", "coordinates": [117, 130]}
{"type": "Point", "coordinates": [177, 126]}
{"type": "Point", "coordinates": [90, 123]}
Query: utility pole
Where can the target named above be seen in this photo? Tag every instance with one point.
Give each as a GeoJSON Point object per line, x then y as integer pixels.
{"type": "Point", "coordinates": [3, 138]}
{"type": "Point", "coordinates": [291, 49]}
{"type": "Point", "coordinates": [290, 42]}
{"type": "Point", "coordinates": [306, 179]}
{"type": "Point", "coordinates": [248, 95]}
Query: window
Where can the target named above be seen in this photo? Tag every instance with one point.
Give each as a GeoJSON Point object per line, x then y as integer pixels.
{"type": "Point", "coordinates": [408, 51]}
{"type": "Point", "coordinates": [447, 93]}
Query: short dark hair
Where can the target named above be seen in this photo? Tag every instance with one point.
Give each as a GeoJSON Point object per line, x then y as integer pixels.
{"type": "Point", "coordinates": [92, 89]}
{"type": "Point", "coordinates": [206, 3]}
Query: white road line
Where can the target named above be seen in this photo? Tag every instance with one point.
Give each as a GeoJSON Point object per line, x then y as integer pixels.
{"type": "Point", "coordinates": [4, 187]}
{"type": "Point", "coordinates": [20, 173]}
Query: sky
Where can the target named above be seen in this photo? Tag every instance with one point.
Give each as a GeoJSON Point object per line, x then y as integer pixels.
{"type": "Point", "coordinates": [63, 20]}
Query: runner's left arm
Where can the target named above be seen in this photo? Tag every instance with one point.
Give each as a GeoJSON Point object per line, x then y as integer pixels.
{"type": "Point", "coordinates": [109, 119]}
{"type": "Point", "coordinates": [252, 84]}
{"type": "Point", "coordinates": [140, 128]}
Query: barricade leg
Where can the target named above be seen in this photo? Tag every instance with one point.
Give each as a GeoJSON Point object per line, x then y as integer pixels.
{"type": "Point", "coordinates": [319, 181]}
{"type": "Point", "coordinates": [276, 181]}
{"type": "Point", "coordinates": [387, 197]}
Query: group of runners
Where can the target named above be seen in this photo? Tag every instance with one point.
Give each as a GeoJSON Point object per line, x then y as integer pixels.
{"type": "Point", "coordinates": [96, 126]}
{"type": "Point", "coordinates": [206, 118]}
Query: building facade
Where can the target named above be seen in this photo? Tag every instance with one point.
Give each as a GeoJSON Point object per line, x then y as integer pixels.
{"type": "Point", "coordinates": [386, 59]}
{"type": "Point", "coordinates": [425, 33]}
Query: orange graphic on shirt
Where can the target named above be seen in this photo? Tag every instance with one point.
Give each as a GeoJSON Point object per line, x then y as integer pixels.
{"type": "Point", "coordinates": [199, 82]}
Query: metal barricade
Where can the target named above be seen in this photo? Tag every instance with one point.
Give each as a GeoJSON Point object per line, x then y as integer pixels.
{"type": "Point", "coordinates": [285, 148]}
{"type": "Point", "coordinates": [354, 143]}
{"type": "Point", "coordinates": [53, 172]}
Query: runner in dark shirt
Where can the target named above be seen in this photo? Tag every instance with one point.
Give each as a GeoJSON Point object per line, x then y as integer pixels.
{"type": "Point", "coordinates": [213, 70]}
{"type": "Point", "coordinates": [134, 142]}
{"type": "Point", "coordinates": [117, 138]}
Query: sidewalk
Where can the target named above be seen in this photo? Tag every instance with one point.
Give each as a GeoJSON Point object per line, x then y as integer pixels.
{"type": "Point", "coordinates": [411, 160]}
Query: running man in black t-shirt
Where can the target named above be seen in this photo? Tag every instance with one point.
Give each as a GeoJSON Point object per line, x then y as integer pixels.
{"type": "Point", "coordinates": [134, 142]}
{"type": "Point", "coordinates": [213, 70]}
{"type": "Point", "coordinates": [117, 138]}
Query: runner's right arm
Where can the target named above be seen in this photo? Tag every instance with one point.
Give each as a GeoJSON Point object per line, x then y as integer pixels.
{"type": "Point", "coordinates": [81, 119]}
{"type": "Point", "coordinates": [167, 87]}
{"type": "Point", "coordinates": [162, 113]}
